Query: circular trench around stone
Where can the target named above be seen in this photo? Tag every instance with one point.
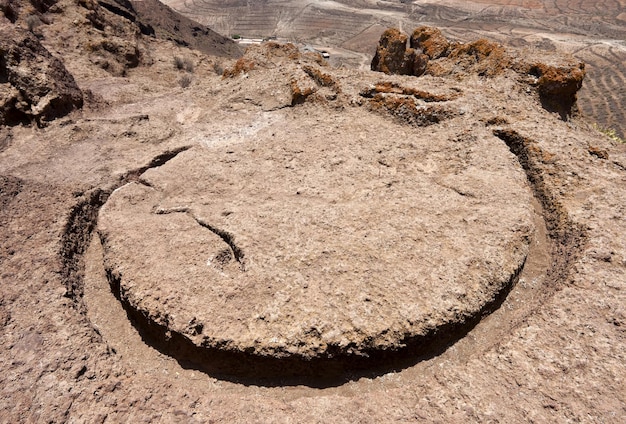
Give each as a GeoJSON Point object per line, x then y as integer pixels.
{"type": "Point", "coordinates": [308, 245]}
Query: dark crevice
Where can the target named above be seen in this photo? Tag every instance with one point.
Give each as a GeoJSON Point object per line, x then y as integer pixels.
{"type": "Point", "coordinates": [82, 221]}
{"type": "Point", "coordinates": [125, 11]}
{"type": "Point", "coordinates": [335, 369]}
{"type": "Point", "coordinates": [76, 237]}
{"type": "Point", "coordinates": [338, 366]}
{"type": "Point", "coordinates": [568, 237]}
{"type": "Point", "coordinates": [227, 237]}
{"type": "Point", "coordinates": [160, 160]}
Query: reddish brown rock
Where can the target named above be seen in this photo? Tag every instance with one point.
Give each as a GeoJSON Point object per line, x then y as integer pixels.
{"type": "Point", "coordinates": [262, 56]}
{"type": "Point", "coordinates": [558, 85]}
{"type": "Point", "coordinates": [482, 57]}
{"type": "Point", "coordinates": [392, 56]}
{"type": "Point", "coordinates": [431, 41]}
{"type": "Point", "coordinates": [420, 64]}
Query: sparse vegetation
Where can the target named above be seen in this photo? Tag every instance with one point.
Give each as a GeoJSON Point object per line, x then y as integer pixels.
{"type": "Point", "coordinates": [183, 64]}
{"type": "Point", "coordinates": [185, 81]}
{"type": "Point", "coordinates": [178, 62]}
{"type": "Point", "coordinates": [32, 22]}
{"type": "Point", "coordinates": [188, 64]}
{"type": "Point", "coordinates": [218, 68]}
{"type": "Point", "coordinates": [610, 133]}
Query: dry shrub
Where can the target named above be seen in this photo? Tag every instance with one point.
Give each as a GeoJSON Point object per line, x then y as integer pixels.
{"type": "Point", "coordinates": [178, 62]}
{"type": "Point", "coordinates": [188, 65]}
{"type": "Point", "coordinates": [218, 68]}
{"type": "Point", "coordinates": [32, 22]}
{"type": "Point", "coordinates": [185, 81]}
{"type": "Point", "coordinates": [183, 64]}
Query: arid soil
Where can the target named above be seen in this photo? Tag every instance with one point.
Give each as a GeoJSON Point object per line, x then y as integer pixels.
{"type": "Point", "coordinates": [296, 242]}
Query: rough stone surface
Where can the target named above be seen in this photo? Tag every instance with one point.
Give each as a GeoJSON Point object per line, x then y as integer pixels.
{"type": "Point", "coordinates": [557, 84]}
{"type": "Point", "coordinates": [431, 41]}
{"type": "Point", "coordinates": [551, 350]}
{"type": "Point", "coordinates": [392, 56]}
{"type": "Point", "coordinates": [34, 85]}
{"type": "Point", "coordinates": [337, 246]}
{"type": "Point", "coordinates": [482, 57]}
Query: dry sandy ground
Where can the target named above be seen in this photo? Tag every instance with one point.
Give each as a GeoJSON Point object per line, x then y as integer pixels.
{"type": "Point", "coordinates": [76, 347]}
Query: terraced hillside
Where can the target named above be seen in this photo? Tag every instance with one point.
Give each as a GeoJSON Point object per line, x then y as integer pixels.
{"type": "Point", "coordinates": [593, 31]}
{"type": "Point", "coordinates": [604, 95]}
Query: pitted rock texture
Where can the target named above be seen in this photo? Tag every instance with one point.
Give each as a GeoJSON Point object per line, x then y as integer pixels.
{"type": "Point", "coordinates": [556, 78]}
{"type": "Point", "coordinates": [431, 41]}
{"type": "Point", "coordinates": [34, 85]}
{"type": "Point", "coordinates": [558, 86]}
{"type": "Point", "coordinates": [393, 57]}
{"type": "Point", "coordinates": [314, 244]}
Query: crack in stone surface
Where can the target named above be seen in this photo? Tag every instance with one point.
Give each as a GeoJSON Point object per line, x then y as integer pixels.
{"type": "Point", "coordinates": [228, 238]}
{"type": "Point", "coordinates": [83, 219]}
{"type": "Point", "coordinates": [318, 372]}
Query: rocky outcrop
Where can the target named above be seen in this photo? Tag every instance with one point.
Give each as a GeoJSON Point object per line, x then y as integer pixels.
{"type": "Point", "coordinates": [263, 57]}
{"type": "Point", "coordinates": [34, 85]}
{"type": "Point", "coordinates": [557, 81]}
{"type": "Point", "coordinates": [430, 41]}
{"type": "Point", "coordinates": [558, 85]}
{"type": "Point", "coordinates": [125, 22]}
{"type": "Point", "coordinates": [393, 57]}
{"type": "Point", "coordinates": [482, 57]}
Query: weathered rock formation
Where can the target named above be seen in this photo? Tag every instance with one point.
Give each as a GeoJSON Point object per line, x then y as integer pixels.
{"type": "Point", "coordinates": [556, 83]}
{"type": "Point", "coordinates": [34, 85]}
{"type": "Point", "coordinates": [393, 57]}
{"type": "Point", "coordinates": [430, 41]}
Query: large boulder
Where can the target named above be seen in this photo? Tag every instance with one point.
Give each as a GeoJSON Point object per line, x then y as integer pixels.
{"type": "Point", "coordinates": [558, 86]}
{"type": "Point", "coordinates": [556, 77]}
{"type": "Point", "coordinates": [430, 41]}
{"type": "Point", "coordinates": [34, 85]}
{"type": "Point", "coordinates": [392, 55]}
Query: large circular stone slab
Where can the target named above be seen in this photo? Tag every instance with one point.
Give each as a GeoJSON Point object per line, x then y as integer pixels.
{"type": "Point", "coordinates": [319, 241]}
